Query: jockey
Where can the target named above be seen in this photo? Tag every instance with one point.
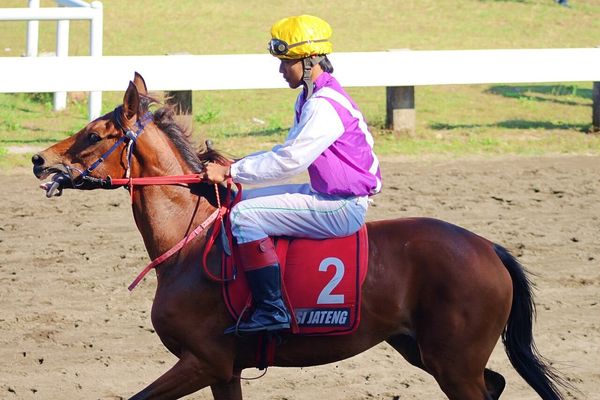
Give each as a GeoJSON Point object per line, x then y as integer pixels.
{"type": "Point", "coordinates": [330, 139]}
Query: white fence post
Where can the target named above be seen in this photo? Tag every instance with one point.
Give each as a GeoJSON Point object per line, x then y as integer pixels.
{"type": "Point", "coordinates": [95, 99]}
{"type": "Point", "coordinates": [35, 14]}
{"type": "Point", "coordinates": [62, 50]}
{"type": "Point", "coordinates": [33, 32]}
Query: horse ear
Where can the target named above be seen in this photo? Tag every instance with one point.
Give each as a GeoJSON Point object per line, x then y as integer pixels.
{"type": "Point", "coordinates": [140, 84]}
{"type": "Point", "coordinates": [131, 101]}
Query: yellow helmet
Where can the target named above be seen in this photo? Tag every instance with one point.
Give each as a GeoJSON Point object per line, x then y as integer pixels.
{"type": "Point", "coordinates": [299, 37]}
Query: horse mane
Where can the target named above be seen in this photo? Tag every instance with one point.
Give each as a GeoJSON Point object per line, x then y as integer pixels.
{"type": "Point", "coordinates": [164, 119]}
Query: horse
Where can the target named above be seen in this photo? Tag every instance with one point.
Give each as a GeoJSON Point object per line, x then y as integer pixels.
{"type": "Point", "coordinates": [440, 295]}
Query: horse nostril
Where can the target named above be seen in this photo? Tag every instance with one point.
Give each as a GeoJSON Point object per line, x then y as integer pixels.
{"type": "Point", "coordinates": [37, 160]}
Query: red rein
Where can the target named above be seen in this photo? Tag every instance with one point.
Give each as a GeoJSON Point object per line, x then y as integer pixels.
{"type": "Point", "coordinates": [171, 180]}
{"type": "Point", "coordinates": [218, 213]}
{"type": "Point", "coordinates": [157, 180]}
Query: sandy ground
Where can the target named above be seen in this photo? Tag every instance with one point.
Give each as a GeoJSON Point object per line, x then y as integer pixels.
{"type": "Point", "coordinates": [69, 329]}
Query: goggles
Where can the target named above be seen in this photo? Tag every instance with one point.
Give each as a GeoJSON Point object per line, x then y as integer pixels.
{"type": "Point", "coordinates": [278, 47]}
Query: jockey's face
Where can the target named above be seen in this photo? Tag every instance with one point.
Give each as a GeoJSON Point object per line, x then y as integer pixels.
{"type": "Point", "coordinates": [292, 72]}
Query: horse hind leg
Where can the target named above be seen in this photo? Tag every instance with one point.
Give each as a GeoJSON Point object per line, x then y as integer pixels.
{"type": "Point", "coordinates": [453, 382]}
{"type": "Point", "coordinates": [458, 361]}
{"type": "Point", "coordinates": [494, 383]}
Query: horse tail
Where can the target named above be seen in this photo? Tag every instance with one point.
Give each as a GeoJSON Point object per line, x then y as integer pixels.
{"type": "Point", "coordinates": [518, 334]}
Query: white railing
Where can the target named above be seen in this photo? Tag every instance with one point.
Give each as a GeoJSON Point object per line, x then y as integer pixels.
{"type": "Point", "coordinates": [68, 10]}
{"type": "Point", "coordinates": [392, 69]}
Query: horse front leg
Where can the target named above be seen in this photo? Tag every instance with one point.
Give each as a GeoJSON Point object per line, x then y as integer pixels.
{"type": "Point", "coordinates": [188, 375]}
{"type": "Point", "coordinates": [231, 390]}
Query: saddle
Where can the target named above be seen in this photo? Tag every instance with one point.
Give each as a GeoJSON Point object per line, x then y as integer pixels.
{"type": "Point", "coordinates": [321, 282]}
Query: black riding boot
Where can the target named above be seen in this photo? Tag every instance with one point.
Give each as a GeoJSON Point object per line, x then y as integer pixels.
{"type": "Point", "coordinates": [270, 312]}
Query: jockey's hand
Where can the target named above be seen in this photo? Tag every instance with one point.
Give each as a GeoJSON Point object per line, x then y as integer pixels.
{"type": "Point", "coordinates": [216, 173]}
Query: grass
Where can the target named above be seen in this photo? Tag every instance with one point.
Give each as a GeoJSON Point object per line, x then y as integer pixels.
{"type": "Point", "coordinates": [451, 120]}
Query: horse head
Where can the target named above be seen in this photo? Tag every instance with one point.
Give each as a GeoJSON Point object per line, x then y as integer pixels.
{"type": "Point", "coordinates": [100, 149]}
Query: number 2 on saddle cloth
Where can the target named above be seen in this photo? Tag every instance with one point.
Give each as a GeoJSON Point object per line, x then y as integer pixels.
{"type": "Point", "coordinates": [322, 280]}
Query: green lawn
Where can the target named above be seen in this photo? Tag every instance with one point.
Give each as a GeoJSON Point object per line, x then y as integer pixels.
{"type": "Point", "coordinates": [452, 120]}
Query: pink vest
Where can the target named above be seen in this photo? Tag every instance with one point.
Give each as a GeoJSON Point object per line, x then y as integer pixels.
{"type": "Point", "coordinates": [349, 166]}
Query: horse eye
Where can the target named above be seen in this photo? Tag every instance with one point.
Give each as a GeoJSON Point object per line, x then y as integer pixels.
{"type": "Point", "coordinates": [94, 138]}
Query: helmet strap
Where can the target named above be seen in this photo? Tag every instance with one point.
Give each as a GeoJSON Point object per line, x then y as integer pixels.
{"type": "Point", "coordinates": [307, 64]}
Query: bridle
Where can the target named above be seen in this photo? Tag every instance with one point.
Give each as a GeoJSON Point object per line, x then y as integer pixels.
{"type": "Point", "coordinates": [129, 138]}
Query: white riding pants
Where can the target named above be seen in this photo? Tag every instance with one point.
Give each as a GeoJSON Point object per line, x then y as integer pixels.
{"type": "Point", "coordinates": [295, 210]}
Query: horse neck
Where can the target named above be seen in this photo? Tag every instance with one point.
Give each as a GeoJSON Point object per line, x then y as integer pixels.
{"type": "Point", "coordinates": [164, 214]}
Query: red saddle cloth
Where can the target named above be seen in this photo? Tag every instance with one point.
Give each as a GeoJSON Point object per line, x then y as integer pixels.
{"type": "Point", "coordinates": [321, 283]}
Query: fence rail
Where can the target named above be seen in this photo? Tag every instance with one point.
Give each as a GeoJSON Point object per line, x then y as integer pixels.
{"type": "Point", "coordinates": [69, 10]}
{"type": "Point", "coordinates": [400, 71]}
{"type": "Point", "coordinates": [47, 14]}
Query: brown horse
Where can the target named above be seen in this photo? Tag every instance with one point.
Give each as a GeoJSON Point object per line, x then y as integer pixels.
{"type": "Point", "coordinates": [440, 295]}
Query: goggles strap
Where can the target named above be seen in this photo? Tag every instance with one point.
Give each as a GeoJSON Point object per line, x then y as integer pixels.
{"type": "Point", "coordinates": [278, 47]}
{"type": "Point", "coordinates": [308, 63]}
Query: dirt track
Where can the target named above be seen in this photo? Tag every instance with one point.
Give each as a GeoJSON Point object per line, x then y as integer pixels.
{"type": "Point", "coordinates": [69, 329]}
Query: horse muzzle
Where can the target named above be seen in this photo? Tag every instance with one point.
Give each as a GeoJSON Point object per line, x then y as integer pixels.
{"type": "Point", "coordinates": [55, 186]}
{"type": "Point", "coordinates": [59, 173]}
{"type": "Point", "coordinates": [59, 180]}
